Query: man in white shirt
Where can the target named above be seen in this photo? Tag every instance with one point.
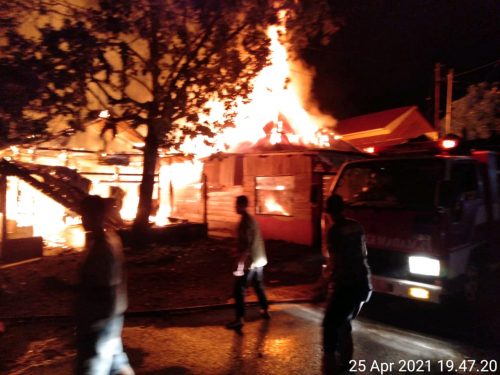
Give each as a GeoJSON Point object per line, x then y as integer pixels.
{"type": "Point", "coordinates": [251, 259]}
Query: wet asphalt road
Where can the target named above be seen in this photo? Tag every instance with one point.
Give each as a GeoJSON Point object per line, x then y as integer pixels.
{"type": "Point", "coordinates": [198, 343]}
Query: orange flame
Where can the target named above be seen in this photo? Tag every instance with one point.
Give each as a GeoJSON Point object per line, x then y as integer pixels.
{"type": "Point", "coordinates": [274, 207]}
{"type": "Point", "coordinates": [278, 89]}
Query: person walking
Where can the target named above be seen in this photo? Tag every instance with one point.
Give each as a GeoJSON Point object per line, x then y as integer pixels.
{"type": "Point", "coordinates": [102, 295]}
{"type": "Point", "coordinates": [351, 285]}
{"type": "Point", "coordinates": [251, 259]}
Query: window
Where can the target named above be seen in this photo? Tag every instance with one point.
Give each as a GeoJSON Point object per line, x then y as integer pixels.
{"type": "Point", "coordinates": [398, 183]}
{"type": "Point", "coordinates": [274, 195]}
{"type": "Point", "coordinates": [464, 180]}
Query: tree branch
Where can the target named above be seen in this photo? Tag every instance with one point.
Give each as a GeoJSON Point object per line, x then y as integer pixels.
{"type": "Point", "coordinates": [175, 72]}
{"type": "Point", "coordinates": [205, 60]}
{"type": "Point", "coordinates": [130, 49]}
{"type": "Point", "coordinates": [143, 84]}
{"type": "Point", "coordinates": [104, 105]}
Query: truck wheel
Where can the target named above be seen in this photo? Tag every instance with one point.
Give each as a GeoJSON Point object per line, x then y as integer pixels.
{"type": "Point", "coordinates": [471, 284]}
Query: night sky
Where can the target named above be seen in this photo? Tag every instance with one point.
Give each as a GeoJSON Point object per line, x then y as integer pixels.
{"type": "Point", "coordinates": [383, 57]}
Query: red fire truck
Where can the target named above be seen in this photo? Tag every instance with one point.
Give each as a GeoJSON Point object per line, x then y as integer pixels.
{"type": "Point", "coordinates": [430, 220]}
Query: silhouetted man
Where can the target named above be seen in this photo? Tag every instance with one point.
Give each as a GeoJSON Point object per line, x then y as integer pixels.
{"type": "Point", "coordinates": [102, 298]}
{"type": "Point", "coordinates": [251, 259]}
{"type": "Point", "coordinates": [351, 283]}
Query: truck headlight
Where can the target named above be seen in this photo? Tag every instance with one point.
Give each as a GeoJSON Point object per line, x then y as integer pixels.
{"type": "Point", "coordinates": [424, 266]}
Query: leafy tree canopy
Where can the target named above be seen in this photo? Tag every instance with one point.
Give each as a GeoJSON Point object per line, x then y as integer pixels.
{"type": "Point", "coordinates": [476, 115]}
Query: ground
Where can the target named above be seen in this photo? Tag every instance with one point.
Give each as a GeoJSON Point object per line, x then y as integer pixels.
{"type": "Point", "coordinates": [180, 299]}
{"type": "Point", "coordinates": [160, 278]}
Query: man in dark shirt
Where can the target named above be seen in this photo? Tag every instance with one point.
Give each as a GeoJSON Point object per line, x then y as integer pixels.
{"type": "Point", "coordinates": [102, 297]}
{"type": "Point", "coordinates": [251, 259]}
{"type": "Point", "coordinates": [351, 282]}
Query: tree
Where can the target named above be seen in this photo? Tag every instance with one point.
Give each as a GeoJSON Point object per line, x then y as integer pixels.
{"type": "Point", "coordinates": [476, 114]}
{"type": "Point", "coordinates": [17, 83]}
{"type": "Point", "coordinates": [157, 63]}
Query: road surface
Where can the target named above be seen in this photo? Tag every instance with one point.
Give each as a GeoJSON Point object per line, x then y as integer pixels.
{"type": "Point", "coordinates": [198, 343]}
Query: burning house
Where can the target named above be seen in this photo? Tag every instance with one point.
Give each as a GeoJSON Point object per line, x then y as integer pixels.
{"type": "Point", "coordinates": [280, 152]}
{"type": "Point", "coordinates": [285, 186]}
{"type": "Point", "coordinates": [43, 184]}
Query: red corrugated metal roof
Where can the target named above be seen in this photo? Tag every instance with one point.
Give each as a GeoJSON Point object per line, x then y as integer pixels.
{"type": "Point", "coordinates": [388, 127]}
{"type": "Point", "coordinates": [370, 121]}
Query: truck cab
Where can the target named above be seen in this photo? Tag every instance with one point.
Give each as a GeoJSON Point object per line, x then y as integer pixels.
{"type": "Point", "coordinates": [429, 221]}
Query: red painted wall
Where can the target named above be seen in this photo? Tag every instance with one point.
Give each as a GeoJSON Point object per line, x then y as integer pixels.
{"type": "Point", "coordinates": [288, 229]}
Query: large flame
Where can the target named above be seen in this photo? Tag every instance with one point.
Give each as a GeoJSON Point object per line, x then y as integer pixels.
{"type": "Point", "coordinates": [281, 91]}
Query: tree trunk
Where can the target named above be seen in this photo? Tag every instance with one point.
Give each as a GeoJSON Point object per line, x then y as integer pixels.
{"type": "Point", "coordinates": [141, 233]}
{"type": "Point", "coordinates": [141, 223]}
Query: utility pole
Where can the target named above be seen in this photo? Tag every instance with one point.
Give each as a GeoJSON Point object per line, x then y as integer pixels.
{"type": "Point", "coordinates": [437, 85]}
{"type": "Point", "coordinates": [449, 92]}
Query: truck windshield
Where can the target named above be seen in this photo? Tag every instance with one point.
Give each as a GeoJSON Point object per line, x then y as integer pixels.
{"type": "Point", "coordinates": [410, 183]}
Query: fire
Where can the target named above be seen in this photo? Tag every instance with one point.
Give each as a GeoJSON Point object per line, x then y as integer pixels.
{"type": "Point", "coordinates": [274, 207]}
{"type": "Point", "coordinates": [274, 113]}
{"type": "Point", "coordinates": [31, 213]}
{"type": "Point", "coordinates": [272, 100]}
{"type": "Point", "coordinates": [173, 177]}
{"type": "Point", "coordinates": [129, 208]}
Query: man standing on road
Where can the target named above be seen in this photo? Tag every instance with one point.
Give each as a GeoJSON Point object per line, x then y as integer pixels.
{"type": "Point", "coordinates": [351, 283]}
{"type": "Point", "coordinates": [102, 298]}
{"type": "Point", "coordinates": [251, 259]}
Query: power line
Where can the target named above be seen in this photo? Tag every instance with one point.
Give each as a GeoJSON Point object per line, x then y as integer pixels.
{"type": "Point", "coordinates": [478, 68]}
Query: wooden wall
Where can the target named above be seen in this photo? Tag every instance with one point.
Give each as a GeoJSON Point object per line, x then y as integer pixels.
{"type": "Point", "coordinates": [222, 217]}
{"type": "Point", "coordinates": [223, 188]}
{"type": "Point", "coordinates": [230, 175]}
{"type": "Point", "coordinates": [222, 174]}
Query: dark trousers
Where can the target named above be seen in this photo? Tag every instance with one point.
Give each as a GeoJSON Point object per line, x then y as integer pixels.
{"type": "Point", "coordinates": [255, 276]}
{"type": "Point", "coordinates": [343, 305]}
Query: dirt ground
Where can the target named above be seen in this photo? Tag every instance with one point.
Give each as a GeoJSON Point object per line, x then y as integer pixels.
{"type": "Point", "coordinates": [161, 277]}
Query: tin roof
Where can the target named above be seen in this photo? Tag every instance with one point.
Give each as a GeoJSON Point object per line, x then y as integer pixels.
{"type": "Point", "coordinates": [390, 127]}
